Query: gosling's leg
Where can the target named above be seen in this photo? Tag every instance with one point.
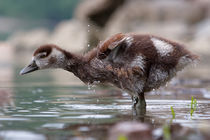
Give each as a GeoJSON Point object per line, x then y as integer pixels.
{"type": "Point", "coordinates": [139, 105]}
{"type": "Point", "coordinates": [139, 101]}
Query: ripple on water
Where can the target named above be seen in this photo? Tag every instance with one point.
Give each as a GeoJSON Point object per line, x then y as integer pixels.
{"type": "Point", "coordinates": [23, 111]}
{"type": "Point", "coordinates": [49, 112]}
{"type": "Point", "coordinates": [89, 116]}
{"type": "Point", "coordinates": [206, 93]}
{"type": "Point", "coordinates": [37, 115]}
{"type": "Point", "coordinates": [25, 102]}
{"type": "Point", "coordinates": [96, 107]}
{"type": "Point", "coordinates": [20, 135]}
{"type": "Point", "coordinates": [40, 101]}
{"type": "Point", "coordinates": [54, 125]}
{"type": "Point", "coordinates": [14, 119]}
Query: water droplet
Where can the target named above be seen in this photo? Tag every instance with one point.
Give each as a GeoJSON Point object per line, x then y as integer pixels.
{"type": "Point", "coordinates": [88, 45]}
{"type": "Point", "coordinates": [96, 82]}
{"type": "Point", "coordinates": [34, 91]}
{"type": "Point", "coordinates": [39, 90]}
{"type": "Point", "coordinates": [88, 25]}
{"type": "Point", "coordinates": [89, 86]}
{"type": "Point", "coordinates": [83, 128]}
{"type": "Point", "coordinates": [94, 91]}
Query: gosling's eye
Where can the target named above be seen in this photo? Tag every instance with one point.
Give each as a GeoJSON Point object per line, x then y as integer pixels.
{"type": "Point", "coordinates": [42, 55]}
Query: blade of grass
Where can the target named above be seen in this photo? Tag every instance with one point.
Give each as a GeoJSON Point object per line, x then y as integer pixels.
{"type": "Point", "coordinates": [193, 105]}
{"type": "Point", "coordinates": [166, 132]}
{"type": "Point", "coordinates": [173, 112]}
{"type": "Point", "coordinates": [122, 137]}
{"type": "Point", "coordinates": [192, 98]}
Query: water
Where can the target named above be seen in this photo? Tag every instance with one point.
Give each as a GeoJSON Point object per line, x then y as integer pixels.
{"type": "Point", "coordinates": [34, 107]}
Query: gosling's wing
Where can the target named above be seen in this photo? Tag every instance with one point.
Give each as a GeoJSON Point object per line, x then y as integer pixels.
{"type": "Point", "coordinates": [105, 48]}
{"type": "Point", "coordinates": [124, 53]}
{"type": "Point", "coordinates": [116, 49]}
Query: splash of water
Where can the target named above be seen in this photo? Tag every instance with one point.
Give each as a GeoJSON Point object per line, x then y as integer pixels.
{"type": "Point", "coordinates": [92, 85]}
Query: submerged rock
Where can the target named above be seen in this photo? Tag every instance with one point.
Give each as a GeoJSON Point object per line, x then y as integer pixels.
{"type": "Point", "coordinates": [131, 131]}
{"type": "Point", "coordinates": [142, 131]}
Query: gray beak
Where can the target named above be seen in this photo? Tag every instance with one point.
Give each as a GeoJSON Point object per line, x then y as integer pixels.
{"type": "Point", "coordinates": [30, 68]}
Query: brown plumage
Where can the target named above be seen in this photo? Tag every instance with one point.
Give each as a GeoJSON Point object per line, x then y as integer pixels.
{"type": "Point", "coordinates": [132, 62]}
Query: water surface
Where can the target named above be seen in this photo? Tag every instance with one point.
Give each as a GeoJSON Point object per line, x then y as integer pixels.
{"type": "Point", "coordinates": [33, 107]}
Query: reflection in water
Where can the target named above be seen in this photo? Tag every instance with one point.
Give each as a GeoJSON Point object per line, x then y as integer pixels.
{"type": "Point", "coordinates": [6, 75]}
{"type": "Point", "coordinates": [6, 98]}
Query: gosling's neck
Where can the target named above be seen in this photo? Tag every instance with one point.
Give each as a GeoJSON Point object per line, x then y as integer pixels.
{"type": "Point", "coordinates": [72, 61]}
{"type": "Point", "coordinates": [86, 70]}
{"type": "Point", "coordinates": [78, 65]}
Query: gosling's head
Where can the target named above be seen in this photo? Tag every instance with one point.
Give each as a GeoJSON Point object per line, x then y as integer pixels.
{"type": "Point", "coordinates": [46, 56]}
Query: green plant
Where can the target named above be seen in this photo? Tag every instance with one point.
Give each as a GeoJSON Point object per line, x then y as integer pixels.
{"type": "Point", "coordinates": [122, 137]}
{"type": "Point", "coordinates": [166, 132]}
{"type": "Point", "coordinates": [173, 112]}
{"type": "Point", "coordinates": [193, 106]}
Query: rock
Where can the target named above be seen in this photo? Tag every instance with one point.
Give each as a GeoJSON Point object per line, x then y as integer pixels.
{"type": "Point", "coordinates": [131, 131]}
{"type": "Point", "coordinates": [155, 16]}
{"type": "Point", "coordinates": [97, 11]}
{"type": "Point", "coordinates": [95, 14]}
{"type": "Point", "coordinates": [205, 4]}
{"type": "Point", "coordinates": [70, 35]}
{"type": "Point", "coordinates": [171, 30]}
{"type": "Point", "coordinates": [29, 40]}
{"type": "Point", "coordinates": [204, 129]}
{"type": "Point", "coordinates": [177, 132]}
{"type": "Point", "coordinates": [200, 46]}
{"type": "Point", "coordinates": [6, 62]}
{"type": "Point", "coordinates": [201, 40]}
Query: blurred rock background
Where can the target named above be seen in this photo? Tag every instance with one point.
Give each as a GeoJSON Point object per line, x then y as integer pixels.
{"type": "Point", "coordinates": [79, 25]}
